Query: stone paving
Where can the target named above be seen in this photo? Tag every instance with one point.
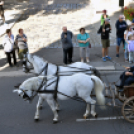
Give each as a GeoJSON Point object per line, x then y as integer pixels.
{"type": "Point", "coordinates": [42, 21]}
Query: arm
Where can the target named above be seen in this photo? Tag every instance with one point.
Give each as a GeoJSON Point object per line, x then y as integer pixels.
{"type": "Point", "coordinates": [79, 39]}
{"type": "Point", "coordinates": [63, 38]}
{"type": "Point", "coordinates": [25, 38]}
{"type": "Point", "coordinates": [100, 30]}
{"type": "Point", "coordinates": [88, 38]}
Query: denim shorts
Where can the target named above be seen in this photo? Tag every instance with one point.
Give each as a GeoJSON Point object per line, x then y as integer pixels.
{"type": "Point", "coordinates": [119, 40]}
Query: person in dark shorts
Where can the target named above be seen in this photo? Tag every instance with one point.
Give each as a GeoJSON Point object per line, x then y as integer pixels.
{"type": "Point", "coordinates": [104, 30]}
{"type": "Point", "coordinates": [2, 11]}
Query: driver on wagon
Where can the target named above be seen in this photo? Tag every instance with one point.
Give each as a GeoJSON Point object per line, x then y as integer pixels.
{"type": "Point", "coordinates": [127, 77]}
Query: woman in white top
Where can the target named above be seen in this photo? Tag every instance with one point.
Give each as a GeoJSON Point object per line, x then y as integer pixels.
{"type": "Point", "coordinates": [8, 44]}
{"type": "Point", "coordinates": [128, 32]}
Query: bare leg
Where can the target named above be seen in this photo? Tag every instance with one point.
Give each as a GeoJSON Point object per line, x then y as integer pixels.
{"type": "Point", "coordinates": [106, 51]}
{"type": "Point", "coordinates": [87, 111]}
{"type": "Point", "coordinates": [103, 52]}
{"type": "Point", "coordinates": [117, 49]}
{"type": "Point", "coordinates": [53, 107]}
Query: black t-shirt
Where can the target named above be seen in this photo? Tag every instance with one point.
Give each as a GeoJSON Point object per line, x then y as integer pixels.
{"type": "Point", "coordinates": [105, 35]}
{"type": "Point", "coordinates": [120, 28]}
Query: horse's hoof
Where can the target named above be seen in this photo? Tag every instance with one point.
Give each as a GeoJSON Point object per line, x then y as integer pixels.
{"type": "Point", "coordinates": [36, 120]}
{"type": "Point", "coordinates": [96, 116]}
{"type": "Point", "coordinates": [58, 110]}
{"type": "Point", "coordinates": [55, 122]}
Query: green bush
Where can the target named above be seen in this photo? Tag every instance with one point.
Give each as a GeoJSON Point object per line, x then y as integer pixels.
{"type": "Point", "coordinates": [129, 13]}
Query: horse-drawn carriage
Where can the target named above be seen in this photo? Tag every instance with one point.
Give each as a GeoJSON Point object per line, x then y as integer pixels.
{"type": "Point", "coordinates": [67, 87]}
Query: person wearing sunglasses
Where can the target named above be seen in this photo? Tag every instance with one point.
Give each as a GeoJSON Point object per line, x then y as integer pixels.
{"type": "Point", "coordinates": [121, 26]}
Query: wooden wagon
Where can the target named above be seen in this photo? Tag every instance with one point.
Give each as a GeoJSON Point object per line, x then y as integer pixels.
{"type": "Point", "coordinates": [125, 95]}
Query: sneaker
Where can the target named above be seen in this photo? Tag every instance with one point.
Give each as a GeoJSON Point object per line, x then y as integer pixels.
{"type": "Point", "coordinates": [104, 59]}
{"type": "Point", "coordinates": [117, 55]}
{"type": "Point", "coordinates": [108, 57]}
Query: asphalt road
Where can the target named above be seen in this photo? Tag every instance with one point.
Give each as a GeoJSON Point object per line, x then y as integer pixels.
{"type": "Point", "coordinates": [17, 116]}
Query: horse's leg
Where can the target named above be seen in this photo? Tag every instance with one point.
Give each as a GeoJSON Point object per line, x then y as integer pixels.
{"type": "Point", "coordinates": [57, 105]}
{"type": "Point", "coordinates": [36, 117]}
{"type": "Point", "coordinates": [41, 103]}
{"type": "Point", "coordinates": [87, 111]}
{"type": "Point", "coordinates": [53, 107]}
{"type": "Point", "coordinates": [89, 100]}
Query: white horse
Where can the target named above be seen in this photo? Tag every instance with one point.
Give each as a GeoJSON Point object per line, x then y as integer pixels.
{"type": "Point", "coordinates": [43, 68]}
{"type": "Point", "coordinates": [78, 84]}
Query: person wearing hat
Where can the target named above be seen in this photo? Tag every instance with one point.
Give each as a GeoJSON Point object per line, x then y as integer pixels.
{"type": "Point", "coordinates": [104, 16]}
{"type": "Point", "coordinates": [104, 30]}
{"type": "Point", "coordinates": [121, 26]}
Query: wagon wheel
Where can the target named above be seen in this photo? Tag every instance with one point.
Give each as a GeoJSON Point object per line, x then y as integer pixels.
{"type": "Point", "coordinates": [128, 109]}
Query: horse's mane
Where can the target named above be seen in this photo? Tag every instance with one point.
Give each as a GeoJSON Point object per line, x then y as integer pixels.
{"type": "Point", "coordinates": [40, 58]}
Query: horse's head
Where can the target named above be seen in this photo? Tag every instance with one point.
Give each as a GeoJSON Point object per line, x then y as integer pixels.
{"type": "Point", "coordinates": [29, 88]}
{"type": "Point", "coordinates": [34, 62]}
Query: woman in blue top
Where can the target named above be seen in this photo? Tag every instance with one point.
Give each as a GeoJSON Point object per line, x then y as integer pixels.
{"type": "Point", "coordinates": [83, 40]}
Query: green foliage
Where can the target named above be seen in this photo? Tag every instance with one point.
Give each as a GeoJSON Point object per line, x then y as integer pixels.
{"type": "Point", "coordinates": [129, 13]}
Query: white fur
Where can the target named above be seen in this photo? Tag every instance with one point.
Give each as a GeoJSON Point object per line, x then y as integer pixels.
{"type": "Point", "coordinates": [78, 84]}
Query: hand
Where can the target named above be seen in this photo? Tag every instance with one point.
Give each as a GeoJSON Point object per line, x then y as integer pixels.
{"type": "Point", "coordinates": [129, 74]}
{"type": "Point", "coordinates": [103, 30]}
{"type": "Point", "coordinates": [127, 68]}
{"type": "Point", "coordinates": [84, 42]}
{"type": "Point", "coordinates": [65, 36]}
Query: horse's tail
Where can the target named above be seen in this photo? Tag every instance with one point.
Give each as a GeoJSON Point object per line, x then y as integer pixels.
{"type": "Point", "coordinates": [99, 87]}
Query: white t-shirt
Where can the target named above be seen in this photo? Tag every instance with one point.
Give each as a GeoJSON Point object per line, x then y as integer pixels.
{"type": "Point", "coordinates": [127, 33]}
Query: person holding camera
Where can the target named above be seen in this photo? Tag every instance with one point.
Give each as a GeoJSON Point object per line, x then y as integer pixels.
{"type": "Point", "coordinates": [8, 44]}
{"type": "Point", "coordinates": [66, 39]}
{"type": "Point", "coordinates": [2, 11]}
{"type": "Point", "coordinates": [104, 30]}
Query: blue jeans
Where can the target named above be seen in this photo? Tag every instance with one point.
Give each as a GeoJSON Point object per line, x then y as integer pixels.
{"type": "Point", "coordinates": [126, 51]}
{"type": "Point", "coordinates": [119, 40]}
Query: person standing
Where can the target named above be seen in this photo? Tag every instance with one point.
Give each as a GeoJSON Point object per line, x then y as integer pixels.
{"type": "Point", "coordinates": [2, 11]}
{"type": "Point", "coordinates": [21, 41]}
{"type": "Point", "coordinates": [121, 26]}
{"type": "Point", "coordinates": [128, 31]}
{"type": "Point", "coordinates": [104, 16]}
{"type": "Point", "coordinates": [83, 40]}
{"type": "Point", "coordinates": [67, 45]}
{"type": "Point", "coordinates": [8, 44]}
{"type": "Point", "coordinates": [105, 29]}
